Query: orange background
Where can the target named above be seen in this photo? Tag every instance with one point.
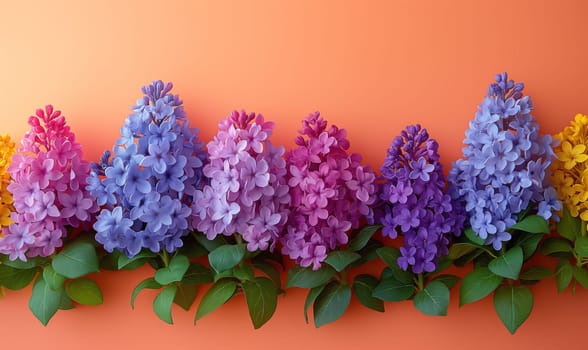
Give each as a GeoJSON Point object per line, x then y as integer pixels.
{"type": "Point", "coordinates": [370, 67]}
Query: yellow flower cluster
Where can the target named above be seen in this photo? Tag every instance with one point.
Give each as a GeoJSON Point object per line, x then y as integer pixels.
{"type": "Point", "coordinates": [7, 149]}
{"type": "Point", "coordinates": [570, 170]}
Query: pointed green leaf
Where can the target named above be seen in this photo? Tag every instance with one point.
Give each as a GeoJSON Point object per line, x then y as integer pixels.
{"type": "Point", "coordinates": [581, 246]}
{"type": "Point", "coordinates": [509, 264]}
{"type": "Point", "coordinates": [340, 259]}
{"type": "Point", "coordinates": [457, 250]}
{"type": "Point", "coordinates": [307, 278]}
{"type": "Point", "coordinates": [536, 273]}
{"type": "Point", "coordinates": [244, 272]}
{"type": "Point", "coordinates": [477, 285]}
{"type": "Point", "coordinates": [513, 304]}
{"type": "Point", "coordinates": [361, 239]}
{"type": "Point", "coordinates": [313, 293]}
{"type": "Point", "coordinates": [581, 275]}
{"type": "Point", "coordinates": [449, 280]}
{"type": "Point", "coordinates": [178, 266]}
{"type": "Point", "coordinates": [15, 279]}
{"type": "Point", "coordinates": [433, 299]}
{"type": "Point", "coordinates": [208, 244]}
{"type": "Point", "coordinates": [331, 303]}
{"type": "Point", "coordinates": [162, 305]}
{"type": "Point", "coordinates": [126, 263]}
{"type": "Point", "coordinates": [363, 286]}
{"type": "Point", "coordinates": [84, 291]}
{"type": "Point", "coordinates": [563, 275]}
{"type": "Point", "coordinates": [185, 295]}
{"type": "Point", "coordinates": [52, 278]}
{"type": "Point", "coordinates": [226, 257]}
{"type": "Point", "coordinates": [532, 224]}
{"type": "Point", "coordinates": [216, 296]}
{"type": "Point", "coordinates": [529, 243]}
{"type": "Point", "coordinates": [197, 274]}
{"type": "Point", "coordinates": [66, 303]}
{"type": "Point", "coordinates": [192, 249]}
{"type": "Point", "coordinates": [270, 271]}
{"type": "Point", "coordinates": [554, 245]}
{"type": "Point", "coordinates": [23, 265]}
{"type": "Point", "coordinates": [473, 237]}
{"type": "Point", "coordinates": [44, 301]}
{"type": "Point", "coordinates": [148, 283]}
{"type": "Point", "coordinates": [76, 260]}
{"type": "Point", "coordinates": [569, 226]}
{"type": "Point", "coordinates": [390, 256]}
{"type": "Point", "coordinates": [262, 299]}
{"type": "Point", "coordinates": [390, 289]}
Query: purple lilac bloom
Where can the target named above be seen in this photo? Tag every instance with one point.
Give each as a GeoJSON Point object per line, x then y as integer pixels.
{"type": "Point", "coordinates": [331, 193]}
{"type": "Point", "coordinates": [148, 186]}
{"type": "Point", "coordinates": [413, 201]}
{"type": "Point", "coordinates": [48, 187]}
{"type": "Point", "coordinates": [505, 169]}
{"type": "Point", "coordinates": [246, 191]}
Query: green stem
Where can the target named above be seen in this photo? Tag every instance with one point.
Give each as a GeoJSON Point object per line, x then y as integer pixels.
{"type": "Point", "coordinates": [583, 228]}
{"type": "Point", "coordinates": [343, 277]}
{"type": "Point", "coordinates": [165, 258]}
{"type": "Point", "coordinates": [421, 281]}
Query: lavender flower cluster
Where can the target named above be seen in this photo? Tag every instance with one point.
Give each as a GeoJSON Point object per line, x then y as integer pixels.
{"type": "Point", "coordinates": [147, 188]}
{"type": "Point", "coordinates": [414, 202]}
{"type": "Point", "coordinates": [505, 165]}
{"type": "Point", "coordinates": [331, 192]}
{"type": "Point", "coordinates": [246, 191]}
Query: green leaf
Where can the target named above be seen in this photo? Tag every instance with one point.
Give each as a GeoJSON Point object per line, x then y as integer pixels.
{"type": "Point", "coordinates": [109, 261]}
{"type": "Point", "coordinates": [568, 226]}
{"type": "Point", "coordinates": [208, 244]}
{"type": "Point", "coordinates": [340, 259]}
{"type": "Point", "coordinates": [76, 260]}
{"type": "Point", "coordinates": [126, 263]}
{"type": "Point", "coordinates": [581, 247]}
{"type": "Point", "coordinates": [433, 299]}
{"type": "Point", "coordinates": [24, 265]}
{"type": "Point", "coordinates": [581, 275]}
{"type": "Point", "coordinates": [331, 303]}
{"type": "Point", "coordinates": [508, 265]}
{"type": "Point", "coordinates": [473, 237]}
{"type": "Point", "coordinates": [390, 289]}
{"type": "Point", "coordinates": [529, 243]}
{"type": "Point", "coordinates": [270, 271]}
{"type": "Point", "coordinates": [148, 283]}
{"type": "Point", "coordinates": [513, 304]}
{"type": "Point", "coordinates": [52, 278]}
{"type": "Point", "coordinates": [192, 249]}
{"type": "Point", "coordinates": [477, 285]}
{"type": "Point", "coordinates": [457, 250]}
{"type": "Point", "coordinates": [443, 264]}
{"type": "Point", "coordinates": [15, 279]}
{"type": "Point", "coordinates": [178, 266]}
{"type": "Point", "coordinates": [308, 278]}
{"type": "Point", "coordinates": [532, 224]}
{"type": "Point", "coordinates": [226, 257]}
{"type": "Point", "coordinates": [215, 297]}
{"type": "Point", "coordinates": [363, 286]}
{"type": "Point", "coordinates": [555, 245]}
{"type": "Point", "coordinates": [536, 273]}
{"type": "Point", "coordinates": [313, 293]}
{"type": "Point", "coordinates": [185, 295]}
{"type": "Point", "coordinates": [262, 299]}
{"type": "Point", "coordinates": [66, 303]}
{"type": "Point", "coordinates": [449, 280]}
{"type": "Point", "coordinates": [197, 274]}
{"type": "Point", "coordinates": [563, 275]}
{"type": "Point", "coordinates": [244, 272]}
{"type": "Point", "coordinates": [84, 291]}
{"type": "Point", "coordinates": [361, 239]}
{"type": "Point", "coordinates": [44, 301]}
{"type": "Point", "coordinates": [162, 305]}
{"type": "Point", "coordinates": [390, 256]}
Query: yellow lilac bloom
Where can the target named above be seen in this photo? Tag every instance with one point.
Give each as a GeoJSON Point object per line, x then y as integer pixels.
{"type": "Point", "coordinates": [570, 169]}
{"type": "Point", "coordinates": [7, 149]}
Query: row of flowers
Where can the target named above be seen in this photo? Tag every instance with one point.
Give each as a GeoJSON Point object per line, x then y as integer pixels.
{"type": "Point", "coordinates": [225, 214]}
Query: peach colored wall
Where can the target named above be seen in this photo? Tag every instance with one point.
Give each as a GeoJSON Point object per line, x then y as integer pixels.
{"type": "Point", "coordinates": [369, 66]}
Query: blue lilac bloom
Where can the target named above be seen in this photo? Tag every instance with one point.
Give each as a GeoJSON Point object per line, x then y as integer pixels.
{"type": "Point", "coordinates": [149, 184]}
{"type": "Point", "coordinates": [413, 201]}
{"type": "Point", "coordinates": [331, 192]}
{"type": "Point", "coordinates": [505, 166]}
{"type": "Point", "coordinates": [246, 192]}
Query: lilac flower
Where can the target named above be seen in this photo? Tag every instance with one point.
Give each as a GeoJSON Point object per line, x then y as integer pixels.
{"type": "Point", "coordinates": [331, 193]}
{"type": "Point", "coordinates": [413, 202]}
{"type": "Point", "coordinates": [246, 192]}
{"type": "Point", "coordinates": [148, 186]}
{"type": "Point", "coordinates": [505, 165]}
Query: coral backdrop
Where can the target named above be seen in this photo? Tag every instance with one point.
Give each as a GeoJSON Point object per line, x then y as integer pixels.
{"type": "Point", "coordinates": [371, 67]}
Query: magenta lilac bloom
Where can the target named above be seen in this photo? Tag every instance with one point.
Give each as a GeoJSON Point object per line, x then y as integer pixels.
{"type": "Point", "coordinates": [49, 188]}
{"type": "Point", "coordinates": [413, 201]}
{"type": "Point", "coordinates": [331, 193]}
{"type": "Point", "coordinates": [246, 191]}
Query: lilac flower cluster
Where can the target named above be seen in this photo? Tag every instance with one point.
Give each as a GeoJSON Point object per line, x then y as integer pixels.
{"type": "Point", "coordinates": [247, 192]}
{"type": "Point", "coordinates": [505, 170]}
{"type": "Point", "coordinates": [48, 188]}
{"type": "Point", "coordinates": [413, 201]}
{"type": "Point", "coordinates": [331, 192]}
{"type": "Point", "coordinates": [148, 186]}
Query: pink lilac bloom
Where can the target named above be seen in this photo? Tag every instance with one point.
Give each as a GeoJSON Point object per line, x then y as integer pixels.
{"type": "Point", "coordinates": [246, 192]}
{"type": "Point", "coordinates": [331, 193]}
{"type": "Point", "coordinates": [48, 186]}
